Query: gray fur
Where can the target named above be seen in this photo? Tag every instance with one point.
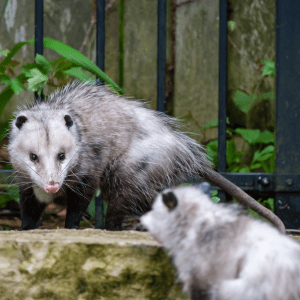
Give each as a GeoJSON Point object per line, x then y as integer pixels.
{"type": "Point", "coordinates": [127, 150]}
{"type": "Point", "coordinates": [222, 254]}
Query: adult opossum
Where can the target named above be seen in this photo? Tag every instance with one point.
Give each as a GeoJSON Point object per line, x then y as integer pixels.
{"type": "Point", "coordinates": [85, 137]}
{"type": "Point", "coordinates": [221, 253]}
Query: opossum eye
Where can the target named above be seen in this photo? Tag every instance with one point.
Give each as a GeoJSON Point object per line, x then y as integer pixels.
{"type": "Point", "coordinates": [169, 200]}
{"type": "Point", "coordinates": [61, 156]}
{"type": "Point", "coordinates": [33, 157]}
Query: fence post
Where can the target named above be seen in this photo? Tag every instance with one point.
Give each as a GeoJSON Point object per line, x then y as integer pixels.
{"type": "Point", "coordinates": [287, 199]}
{"type": "Point", "coordinates": [100, 54]}
{"type": "Point", "coordinates": [39, 33]}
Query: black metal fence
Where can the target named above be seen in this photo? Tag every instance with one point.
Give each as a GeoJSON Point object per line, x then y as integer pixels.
{"type": "Point", "coordinates": [284, 184]}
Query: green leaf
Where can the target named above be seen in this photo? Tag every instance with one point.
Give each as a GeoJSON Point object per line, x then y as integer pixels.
{"type": "Point", "coordinates": [8, 58]}
{"type": "Point", "coordinates": [230, 151]}
{"type": "Point", "coordinates": [27, 69]}
{"type": "Point", "coordinates": [266, 137]}
{"type": "Point", "coordinates": [4, 128]}
{"type": "Point", "coordinates": [7, 93]}
{"type": "Point", "coordinates": [17, 86]}
{"type": "Point", "coordinates": [91, 208]}
{"type": "Point", "coordinates": [268, 149]}
{"type": "Point", "coordinates": [245, 170]}
{"type": "Point", "coordinates": [250, 135]}
{"type": "Point", "coordinates": [43, 63]}
{"type": "Point", "coordinates": [255, 166]}
{"type": "Point", "coordinates": [231, 25]}
{"type": "Point", "coordinates": [4, 78]}
{"type": "Point", "coordinates": [5, 96]}
{"type": "Point", "coordinates": [264, 155]}
{"type": "Point", "coordinates": [212, 151]}
{"type": "Point", "coordinates": [62, 64]}
{"type": "Point", "coordinates": [270, 95]}
{"type": "Point", "coordinates": [269, 203]}
{"type": "Point", "coordinates": [244, 101]}
{"type": "Point", "coordinates": [4, 199]}
{"type": "Point", "coordinates": [69, 53]}
{"type": "Point", "coordinates": [79, 59]}
{"type": "Point", "coordinates": [79, 74]}
{"type": "Point", "coordinates": [37, 81]}
{"type": "Point", "coordinates": [4, 52]}
{"type": "Point", "coordinates": [213, 124]}
{"type": "Point", "coordinates": [14, 193]}
{"type": "Point", "coordinates": [215, 197]}
{"type": "Point", "coordinates": [269, 68]}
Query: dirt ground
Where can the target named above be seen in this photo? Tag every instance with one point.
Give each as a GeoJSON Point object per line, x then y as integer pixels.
{"type": "Point", "coordinates": [53, 218]}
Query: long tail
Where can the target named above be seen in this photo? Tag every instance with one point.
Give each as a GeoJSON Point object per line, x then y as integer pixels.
{"type": "Point", "coordinates": [218, 180]}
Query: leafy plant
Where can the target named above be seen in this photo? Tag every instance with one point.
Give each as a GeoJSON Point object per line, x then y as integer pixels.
{"type": "Point", "coordinates": [261, 142]}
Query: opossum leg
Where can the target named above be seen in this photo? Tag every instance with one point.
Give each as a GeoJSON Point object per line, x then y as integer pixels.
{"type": "Point", "coordinates": [197, 291]}
{"type": "Point", "coordinates": [114, 215]}
{"type": "Point", "coordinates": [76, 206]}
{"type": "Point", "coordinates": [31, 209]}
{"type": "Point", "coordinates": [198, 294]}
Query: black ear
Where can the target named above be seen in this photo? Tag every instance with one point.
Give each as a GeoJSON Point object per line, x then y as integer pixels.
{"type": "Point", "coordinates": [20, 121]}
{"type": "Point", "coordinates": [169, 200]}
{"type": "Point", "coordinates": [69, 121]}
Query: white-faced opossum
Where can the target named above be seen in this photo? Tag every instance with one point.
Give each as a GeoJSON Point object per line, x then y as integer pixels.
{"type": "Point", "coordinates": [222, 254]}
{"type": "Point", "coordinates": [85, 137]}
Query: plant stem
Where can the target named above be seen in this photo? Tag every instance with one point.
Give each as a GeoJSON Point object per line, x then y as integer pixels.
{"type": "Point", "coordinates": [3, 10]}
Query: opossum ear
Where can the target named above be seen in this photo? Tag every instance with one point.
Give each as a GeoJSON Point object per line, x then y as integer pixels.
{"type": "Point", "coordinates": [69, 121]}
{"type": "Point", "coordinates": [20, 121]}
{"type": "Point", "coordinates": [169, 200]}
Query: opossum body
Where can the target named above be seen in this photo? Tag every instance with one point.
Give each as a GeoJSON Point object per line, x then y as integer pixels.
{"type": "Point", "coordinates": [222, 254]}
{"type": "Point", "coordinates": [85, 137]}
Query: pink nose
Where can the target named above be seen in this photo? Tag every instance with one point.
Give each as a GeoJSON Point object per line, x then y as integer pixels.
{"type": "Point", "coordinates": [52, 188]}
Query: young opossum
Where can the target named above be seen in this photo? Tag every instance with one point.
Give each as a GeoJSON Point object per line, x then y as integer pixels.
{"type": "Point", "coordinates": [85, 137]}
{"type": "Point", "coordinates": [221, 253]}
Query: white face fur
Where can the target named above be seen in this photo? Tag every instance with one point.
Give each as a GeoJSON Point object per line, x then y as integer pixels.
{"type": "Point", "coordinates": [43, 150]}
{"type": "Point", "coordinates": [173, 206]}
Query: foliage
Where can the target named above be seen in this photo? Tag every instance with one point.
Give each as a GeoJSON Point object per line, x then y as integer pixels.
{"type": "Point", "coordinates": [260, 142]}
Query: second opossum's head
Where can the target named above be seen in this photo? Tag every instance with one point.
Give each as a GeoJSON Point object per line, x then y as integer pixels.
{"type": "Point", "coordinates": [175, 212]}
{"type": "Point", "coordinates": [44, 148]}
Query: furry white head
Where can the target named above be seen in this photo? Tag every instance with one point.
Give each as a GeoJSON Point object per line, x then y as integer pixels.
{"type": "Point", "coordinates": [44, 146]}
{"type": "Point", "coordinates": [168, 213]}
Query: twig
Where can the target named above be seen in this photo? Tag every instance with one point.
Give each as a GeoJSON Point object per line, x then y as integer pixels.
{"type": "Point", "coordinates": [3, 10]}
{"type": "Point", "coordinates": [93, 22]}
{"type": "Point", "coordinates": [185, 2]}
{"type": "Point", "coordinates": [243, 55]}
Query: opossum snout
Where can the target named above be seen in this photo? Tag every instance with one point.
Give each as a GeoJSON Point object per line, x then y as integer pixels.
{"type": "Point", "coordinates": [52, 188]}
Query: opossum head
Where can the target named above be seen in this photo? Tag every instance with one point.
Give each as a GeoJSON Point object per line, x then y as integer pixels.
{"type": "Point", "coordinates": [174, 213]}
{"type": "Point", "coordinates": [44, 149]}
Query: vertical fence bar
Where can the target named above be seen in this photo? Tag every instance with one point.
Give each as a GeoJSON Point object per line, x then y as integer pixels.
{"type": "Point", "coordinates": [100, 56]}
{"type": "Point", "coordinates": [287, 204]}
{"type": "Point", "coordinates": [161, 54]}
{"type": "Point", "coordinates": [100, 38]}
{"type": "Point", "coordinates": [39, 32]}
{"type": "Point", "coordinates": [121, 45]}
{"type": "Point", "coordinates": [222, 90]}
